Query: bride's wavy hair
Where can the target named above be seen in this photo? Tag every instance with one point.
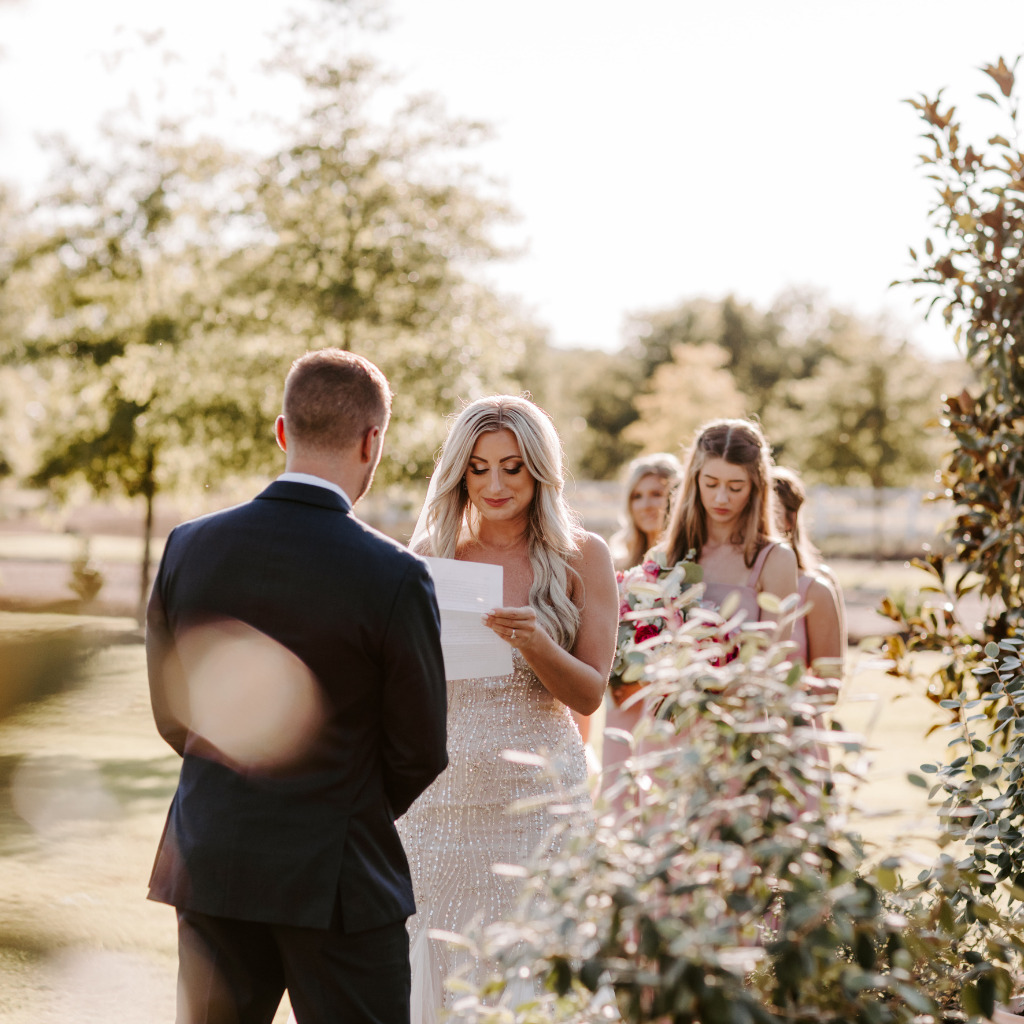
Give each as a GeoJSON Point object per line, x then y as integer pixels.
{"type": "Point", "coordinates": [740, 443]}
{"type": "Point", "coordinates": [553, 529]}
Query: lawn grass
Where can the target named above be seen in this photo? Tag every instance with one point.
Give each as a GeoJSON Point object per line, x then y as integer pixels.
{"type": "Point", "coordinates": [85, 783]}
{"type": "Point", "coordinates": [84, 787]}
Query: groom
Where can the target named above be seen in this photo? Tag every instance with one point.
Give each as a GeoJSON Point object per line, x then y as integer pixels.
{"type": "Point", "coordinates": [295, 665]}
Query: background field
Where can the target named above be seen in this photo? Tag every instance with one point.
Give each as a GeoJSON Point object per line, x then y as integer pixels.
{"type": "Point", "coordinates": [865, 543]}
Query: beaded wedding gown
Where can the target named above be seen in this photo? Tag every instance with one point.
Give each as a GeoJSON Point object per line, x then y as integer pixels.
{"type": "Point", "coordinates": [461, 826]}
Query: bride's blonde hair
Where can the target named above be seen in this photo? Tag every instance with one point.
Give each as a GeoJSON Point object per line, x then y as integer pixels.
{"type": "Point", "coordinates": [553, 530]}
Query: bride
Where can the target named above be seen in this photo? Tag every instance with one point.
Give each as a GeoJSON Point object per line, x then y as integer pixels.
{"type": "Point", "coordinates": [496, 497]}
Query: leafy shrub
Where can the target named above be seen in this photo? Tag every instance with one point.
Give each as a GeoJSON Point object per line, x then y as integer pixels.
{"type": "Point", "coordinates": [971, 271]}
{"type": "Point", "coordinates": [731, 891]}
{"type": "Point", "coordinates": [983, 809]}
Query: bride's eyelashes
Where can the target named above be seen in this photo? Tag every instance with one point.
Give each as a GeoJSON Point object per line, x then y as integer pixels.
{"type": "Point", "coordinates": [511, 470]}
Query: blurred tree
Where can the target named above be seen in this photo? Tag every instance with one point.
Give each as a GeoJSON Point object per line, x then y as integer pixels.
{"type": "Point", "coordinates": [144, 390]}
{"type": "Point", "coordinates": [863, 417]}
{"type": "Point", "coordinates": [690, 389]}
{"type": "Point", "coordinates": [177, 280]}
{"type": "Point", "coordinates": [591, 396]}
{"type": "Point", "coordinates": [12, 314]}
{"type": "Point", "coordinates": [971, 269]}
{"type": "Point", "coordinates": [652, 335]}
{"type": "Point", "coordinates": [363, 231]}
{"type": "Point", "coordinates": [806, 328]}
{"type": "Point", "coordinates": [764, 350]}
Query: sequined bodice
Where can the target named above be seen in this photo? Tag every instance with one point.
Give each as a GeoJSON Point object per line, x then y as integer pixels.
{"type": "Point", "coordinates": [514, 712]}
{"type": "Point", "coordinates": [460, 826]}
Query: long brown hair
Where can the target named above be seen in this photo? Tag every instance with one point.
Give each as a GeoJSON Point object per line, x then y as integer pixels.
{"type": "Point", "coordinates": [790, 496]}
{"type": "Point", "coordinates": [740, 443]}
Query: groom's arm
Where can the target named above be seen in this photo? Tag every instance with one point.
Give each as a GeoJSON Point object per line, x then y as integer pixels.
{"type": "Point", "coordinates": [415, 696]}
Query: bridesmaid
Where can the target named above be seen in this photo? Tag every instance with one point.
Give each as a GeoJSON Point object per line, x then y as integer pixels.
{"type": "Point", "coordinates": [651, 481]}
{"type": "Point", "coordinates": [821, 633]}
{"type": "Point", "coordinates": [725, 513]}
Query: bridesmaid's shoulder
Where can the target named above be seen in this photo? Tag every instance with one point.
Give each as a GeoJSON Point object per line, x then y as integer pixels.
{"type": "Point", "coordinates": [779, 573]}
{"type": "Point", "coordinates": [781, 555]}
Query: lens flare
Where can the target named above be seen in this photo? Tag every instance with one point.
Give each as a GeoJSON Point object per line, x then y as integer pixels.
{"type": "Point", "coordinates": [249, 697]}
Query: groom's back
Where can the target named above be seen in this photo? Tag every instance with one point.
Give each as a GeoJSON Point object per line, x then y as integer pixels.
{"type": "Point", "coordinates": [295, 664]}
{"type": "Point", "coordinates": [297, 589]}
{"type": "Point", "coordinates": [296, 566]}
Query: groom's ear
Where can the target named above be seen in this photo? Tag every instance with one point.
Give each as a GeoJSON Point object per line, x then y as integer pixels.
{"type": "Point", "coordinates": [373, 440]}
{"type": "Point", "coordinates": [282, 441]}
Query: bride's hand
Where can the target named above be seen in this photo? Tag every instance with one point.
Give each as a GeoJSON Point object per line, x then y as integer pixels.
{"type": "Point", "coordinates": [517, 626]}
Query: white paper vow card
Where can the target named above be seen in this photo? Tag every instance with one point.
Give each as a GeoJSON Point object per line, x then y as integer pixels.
{"type": "Point", "coordinates": [465, 592]}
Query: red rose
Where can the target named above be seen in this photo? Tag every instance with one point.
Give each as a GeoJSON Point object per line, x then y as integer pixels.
{"type": "Point", "coordinates": [651, 569]}
{"type": "Point", "coordinates": [645, 632]}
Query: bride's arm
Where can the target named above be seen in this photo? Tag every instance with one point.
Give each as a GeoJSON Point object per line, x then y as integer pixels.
{"type": "Point", "coordinates": [577, 678]}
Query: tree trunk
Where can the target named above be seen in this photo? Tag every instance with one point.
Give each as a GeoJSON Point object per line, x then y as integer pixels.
{"type": "Point", "coordinates": [149, 493]}
{"type": "Point", "coordinates": [878, 512]}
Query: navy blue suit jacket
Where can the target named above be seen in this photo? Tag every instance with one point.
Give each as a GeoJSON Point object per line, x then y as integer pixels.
{"type": "Point", "coordinates": [298, 845]}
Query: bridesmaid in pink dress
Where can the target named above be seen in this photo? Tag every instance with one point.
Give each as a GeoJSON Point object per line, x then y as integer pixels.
{"type": "Point", "coordinates": [651, 481]}
{"type": "Point", "coordinates": [821, 633]}
{"type": "Point", "coordinates": [725, 514]}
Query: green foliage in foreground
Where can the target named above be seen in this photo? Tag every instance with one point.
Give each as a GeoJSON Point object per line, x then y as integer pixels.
{"type": "Point", "coordinates": [731, 891]}
{"type": "Point", "coordinates": [983, 809]}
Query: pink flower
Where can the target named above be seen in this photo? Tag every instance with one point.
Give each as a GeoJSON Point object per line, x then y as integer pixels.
{"type": "Point", "coordinates": [623, 608]}
{"type": "Point", "coordinates": [619, 576]}
{"type": "Point", "coordinates": [651, 569]}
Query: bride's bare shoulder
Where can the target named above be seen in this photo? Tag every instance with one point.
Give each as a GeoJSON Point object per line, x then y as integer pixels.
{"type": "Point", "coordinates": [593, 558]}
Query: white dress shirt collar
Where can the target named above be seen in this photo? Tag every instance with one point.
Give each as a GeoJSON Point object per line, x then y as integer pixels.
{"type": "Point", "coordinates": [316, 481]}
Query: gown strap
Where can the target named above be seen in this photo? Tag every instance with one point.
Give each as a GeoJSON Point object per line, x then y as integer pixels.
{"type": "Point", "coordinates": [755, 572]}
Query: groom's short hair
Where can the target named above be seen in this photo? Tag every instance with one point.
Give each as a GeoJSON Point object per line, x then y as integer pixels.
{"type": "Point", "coordinates": [332, 397]}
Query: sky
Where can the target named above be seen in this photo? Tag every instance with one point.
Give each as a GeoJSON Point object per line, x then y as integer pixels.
{"type": "Point", "coordinates": [656, 151]}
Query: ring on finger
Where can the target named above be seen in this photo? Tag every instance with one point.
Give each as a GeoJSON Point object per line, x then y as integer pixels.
{"type": "Point", "coordinates": [512, 635]}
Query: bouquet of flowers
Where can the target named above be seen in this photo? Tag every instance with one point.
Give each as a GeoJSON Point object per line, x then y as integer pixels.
{"type": "Point", "coordinates": [652, 597]}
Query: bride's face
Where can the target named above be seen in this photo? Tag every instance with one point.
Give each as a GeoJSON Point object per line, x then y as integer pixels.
{"type": "Point", "coordinates": [498, 483]}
